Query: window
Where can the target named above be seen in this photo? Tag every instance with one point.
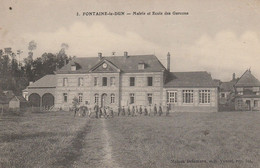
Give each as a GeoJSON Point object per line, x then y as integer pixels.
{"type": "Point", "coordinates": [132, 98]}
{"type": "Point", "coordinates": [141, 66]}
{"type": "Point", "coordinates": [104, 81]}
{"type": "Point", "coordinates": [187, 96]}
{"type": "Point", "coordinates": [150, 98]}
{"type": "Point", "coordinates": [172, 96]}
{"type": "Point", "coordinates": [95, 81]}
{"type": "Point", "coordinates": [73, 68]}
{"type": "Point", "coordinates": [96, 98]}
{"type": "Point", "coordinates": [65, 81]}
{"type": "Point", "coordinates": [150, 81]}
{"type": "Point", "coordinates": [223, 95]}
{"type": "Point", "coordinates": [204, 96]}
{"type": "Point", "coordinates": [112, 81]}
{"type": "Point", "coordinates": [80, 82]}
{"type": "Point", "coordinates": [65, 97]}
{"type": "Point", "coordinates": [80, 97]}
{"type": "Point", "coordinates": [255, 103]}
{"type": "Point", "coordinates": [132, 81]}
{"type": "Point", "coordinates": [112, 99]}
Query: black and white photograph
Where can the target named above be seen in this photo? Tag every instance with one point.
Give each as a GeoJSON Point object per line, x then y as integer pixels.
{"type": "Point", "coordinates": [129, 84]}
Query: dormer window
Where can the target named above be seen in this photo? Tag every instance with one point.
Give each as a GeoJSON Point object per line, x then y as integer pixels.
{"type": "Point", "coordinates": [141, 65]}
{"type": "Point", "coordinates": [73, 68]}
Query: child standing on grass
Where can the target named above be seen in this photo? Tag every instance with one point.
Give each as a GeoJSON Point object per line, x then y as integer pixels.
{"type": "Point", "coordinates": [112, 112]}
{"type": "Point", "coordinates": [118, 110]}
{"type": "Point", "coordinates": [123, 111]}
{"type": "Point", "coordinates": [140, 110]}
{"type": "Point", "coordinates": [105, 112]}
{"type": "Point", "coordinates": [150, 110]}
{"type": "Point", "coordinates": [96, 110]}
{"type": "Point", "coordinates": [128, 111]}
{"type": "Point", "coordinates": [145, 111]}
{"type": "Point", "coordinates": [75, 111]}
{"type": "Point", "coordinates": [155, 110]}
{"type": "Point", "coordinates": [133, 111]}
{"type": "Point", "coordinates": [160, 110]}
{"type": "Point", "coordinates": [167, 109]}
{"type": "Point", "coordinates": [100, 112]}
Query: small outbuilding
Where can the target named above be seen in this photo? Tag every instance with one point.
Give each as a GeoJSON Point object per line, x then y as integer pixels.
{"type": "Point", "coordinates": [17, 102]}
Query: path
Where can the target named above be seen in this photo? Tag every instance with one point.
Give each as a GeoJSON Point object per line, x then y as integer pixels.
{"type": "Point", "coordinates": [108, 160]}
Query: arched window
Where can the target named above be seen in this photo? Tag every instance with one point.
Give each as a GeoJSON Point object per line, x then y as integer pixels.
{"type": "Point", "coordinates": [112, 98]}
{"type": "Point", "coordinates": [96, 98]}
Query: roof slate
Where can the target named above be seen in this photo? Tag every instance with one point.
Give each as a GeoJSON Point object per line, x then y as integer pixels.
{"type": "Point", "coordinates": [20, 98]}
{"type": "Point", "coordinates": [125, 64]}
{"type": "Point", "coordinates": [228, 86]}
{"type": "Point", "coordinates": [48, 81]}
{"type": "Point", "coordinates": [248, 80]}
{"type": "Point", "coordinates": [190, 79]}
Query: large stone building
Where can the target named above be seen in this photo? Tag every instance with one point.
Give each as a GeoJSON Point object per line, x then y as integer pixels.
{"type": "Point", "coordinates": [126, 80]}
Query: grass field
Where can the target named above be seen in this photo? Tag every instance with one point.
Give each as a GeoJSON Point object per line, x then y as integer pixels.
{"type": "Point", "coordinates": [57, 139]}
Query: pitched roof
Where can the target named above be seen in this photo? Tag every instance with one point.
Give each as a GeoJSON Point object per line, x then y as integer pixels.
{"type": "Point", "coordinates": [228, 86]}
{"type": "Point", "coordinates": [20, 98]}
{"type": "Point", "coordinates": [190, 79]}
{"type": "Point", "coordinates": [48, 81]}
{"type": "Point", "coordinates": [125, 64]}
{"type": "Point", "coordinates": [248, 80]}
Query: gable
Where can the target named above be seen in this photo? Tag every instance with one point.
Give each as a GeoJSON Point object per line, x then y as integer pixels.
{"type": "Point", "coordinates": [248, 80]}
{"type": "Point", "coordinates": [104, 66]}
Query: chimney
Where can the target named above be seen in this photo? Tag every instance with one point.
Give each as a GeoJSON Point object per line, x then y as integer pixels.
{"type": "Point", "coordinates": [169, 62]}
{"type": "Point", "coordinates": [234, 76]}
{"type": "Point", "coordinates": [126, 54]}
{"type": "Point", "coordinates": [100, 56]}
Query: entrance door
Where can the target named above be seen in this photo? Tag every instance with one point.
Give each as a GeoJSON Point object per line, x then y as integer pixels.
{"type": "Point", "coordinates": [248, 103]}
{"type": "Point", "coordinates": [103, 100]}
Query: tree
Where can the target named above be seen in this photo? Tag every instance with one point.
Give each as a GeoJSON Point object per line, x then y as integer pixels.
{"type": "Point", "coordinates": [62, 56]}
{"type": "Point", "coordinates": [32, 46]}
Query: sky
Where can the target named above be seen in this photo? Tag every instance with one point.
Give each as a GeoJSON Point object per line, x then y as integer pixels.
{"type": "Point", "coordinates": [218, 36]}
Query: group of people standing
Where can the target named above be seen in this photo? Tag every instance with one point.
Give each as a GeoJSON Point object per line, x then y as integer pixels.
{"type": "Point", "coordinates": [133, 111]}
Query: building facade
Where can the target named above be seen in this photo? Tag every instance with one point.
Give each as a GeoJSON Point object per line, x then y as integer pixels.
{"type": "Point", "coordinates": [117, 81]}
{"type": "Point", "coordinates": [247, 92]}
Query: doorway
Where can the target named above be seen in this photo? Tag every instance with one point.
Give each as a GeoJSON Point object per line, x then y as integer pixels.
{"type": "Point", "coordinates": [103, 100]}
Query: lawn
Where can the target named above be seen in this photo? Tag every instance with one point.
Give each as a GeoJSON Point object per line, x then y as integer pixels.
{"type": "Point", "coordinates": [50, 139]}
{"type": "Point", "coordinates": [230, 139]}
{"type": "Point", "coordinates": [57, 139]}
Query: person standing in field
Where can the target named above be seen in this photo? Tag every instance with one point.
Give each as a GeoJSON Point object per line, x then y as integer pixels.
{"type": "Point", "coordinates": [133, 111]}
{"type": "Point", "coordinates": [160, 110]}
{"type": "Point", "coordinates": [123, 111]}
{"type": "Point", "coordinates": [118, 111]}
{"type": "Point", "coordinates": [100, 112]}
{"type": "Point", "coordinates": [150, 110]}
{"type": "Point", "coordinates": [145, 111]}
{"type": "Point", "coordinates": [140, 110]}
{"type": "Point", "coordinates": [167, 109]}
{"type": "Point", "coordinates": [75, 111]}
{"type": "Point", "coordinates": [111, 112]}
{"type": "Point", "coordinates": [96, 110]}
{"type": "Point", "coordinates": [105, 112]}
{"type": "Point", "coordinates": [128, 111]}
{"type": "Point", "coordinates": [136, 109]}
{"type": "Point", "coordinates": [155, 110]}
